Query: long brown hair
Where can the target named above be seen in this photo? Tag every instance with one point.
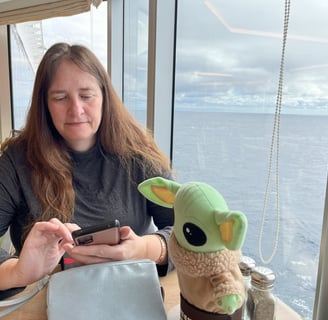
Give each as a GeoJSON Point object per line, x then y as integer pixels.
{"type": "Point", "coordinates": [119, 133]}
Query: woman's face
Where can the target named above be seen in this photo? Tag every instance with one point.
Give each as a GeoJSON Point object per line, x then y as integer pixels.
{"type": "Point", "coordinates": [75, 105]}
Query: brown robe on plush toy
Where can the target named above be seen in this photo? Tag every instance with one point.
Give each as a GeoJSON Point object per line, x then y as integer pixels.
{"type": "Point", "coordinates": [204, 278]}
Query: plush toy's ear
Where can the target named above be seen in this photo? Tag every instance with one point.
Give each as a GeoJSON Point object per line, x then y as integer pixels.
{"type": "Point", "coordinates": [232, 229]}
{"type": "Point", "coordinates": [159, 190]}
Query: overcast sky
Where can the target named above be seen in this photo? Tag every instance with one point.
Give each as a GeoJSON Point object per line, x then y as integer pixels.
{"type": "Point", "coordinates": [228, 52]}
{"type": "Point", "coordinates": [238, 51]}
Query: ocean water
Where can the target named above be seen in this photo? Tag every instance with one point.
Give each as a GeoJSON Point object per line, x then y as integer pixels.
{"type": "Point", "coordinates": [230, 151]}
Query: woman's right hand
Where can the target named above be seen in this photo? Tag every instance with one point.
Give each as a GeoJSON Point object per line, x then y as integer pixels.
{"type": "Point", "coordinates": [41, 253]}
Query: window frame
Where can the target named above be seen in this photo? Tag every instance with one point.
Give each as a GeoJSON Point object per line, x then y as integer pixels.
{"type": "Point", "coordinates": [161, 72]}
{"type": "Point", "coordinates": [6, 124]}
{"type": "Point", "coordinates": [115, 50]}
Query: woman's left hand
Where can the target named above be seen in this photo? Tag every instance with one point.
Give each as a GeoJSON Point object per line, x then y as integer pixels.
{"type": "Point", "coordinates": [131, 247]}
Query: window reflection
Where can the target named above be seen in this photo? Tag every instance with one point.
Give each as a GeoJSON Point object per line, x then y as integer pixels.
{"type": "Point", "coordinates": [30, 40]}
{"type": "Point", "coordinates": [22, 78]}
{"type": "Point", "coordinates": [136, 57]}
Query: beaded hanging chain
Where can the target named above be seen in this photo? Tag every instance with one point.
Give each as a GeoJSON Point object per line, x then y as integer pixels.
{"type": "Point", "coordinates": [275, 143]}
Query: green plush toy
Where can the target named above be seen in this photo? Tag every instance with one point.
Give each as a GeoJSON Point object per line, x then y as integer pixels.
{"type": "Point", "coordinates": [204, 246]}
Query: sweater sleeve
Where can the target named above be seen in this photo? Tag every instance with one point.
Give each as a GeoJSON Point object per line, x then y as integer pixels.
{"type": "Point", "coordinates": [9, 195]}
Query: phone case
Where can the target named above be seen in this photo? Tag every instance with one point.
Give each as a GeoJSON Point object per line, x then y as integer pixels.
{"type": "Point", "coordinates": [105, 233]}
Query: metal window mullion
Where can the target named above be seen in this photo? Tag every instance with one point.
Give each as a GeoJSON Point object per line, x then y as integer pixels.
{"type": "Point", "coordinates": [5, 96]}
{"type": "Point", "coordinates": [161, 56]}
{"type": "Point", "coordinates": [115, 52]}
{"type": "Point", "coordinates": [151, 74]}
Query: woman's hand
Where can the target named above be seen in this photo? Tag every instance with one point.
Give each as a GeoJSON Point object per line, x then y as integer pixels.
{"type": "Point", "coordinates": [131, 247]}
{"type": "Point", "coordinates": [42, 251]}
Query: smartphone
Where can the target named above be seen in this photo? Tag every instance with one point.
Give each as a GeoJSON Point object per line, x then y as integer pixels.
{"type": "Point", "coordinates": [105, 233]}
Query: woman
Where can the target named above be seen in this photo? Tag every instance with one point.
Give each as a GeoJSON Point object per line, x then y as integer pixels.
{"type": "Point", "coordinates": [76, 163]}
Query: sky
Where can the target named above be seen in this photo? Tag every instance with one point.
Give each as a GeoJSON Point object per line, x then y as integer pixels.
{"type": "Point", "coordinates": [238, 53]}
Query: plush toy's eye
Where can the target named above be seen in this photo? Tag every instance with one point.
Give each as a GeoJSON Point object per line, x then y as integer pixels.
{"type": "Point", "coordinates": [194, 235]}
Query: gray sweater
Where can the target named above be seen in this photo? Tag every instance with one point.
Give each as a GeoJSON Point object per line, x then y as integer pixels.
{"type": "Point", "coordinates": [103, 191]}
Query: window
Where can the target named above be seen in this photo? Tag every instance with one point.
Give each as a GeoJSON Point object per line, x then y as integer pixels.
{"type": "Point", "coordinates": [226, 81]}
{"type": "Point", "coordinates": [227, 70]}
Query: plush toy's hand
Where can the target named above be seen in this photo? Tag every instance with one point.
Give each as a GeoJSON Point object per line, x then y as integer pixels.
{"type": "Point", "coordinates": [230, 303]}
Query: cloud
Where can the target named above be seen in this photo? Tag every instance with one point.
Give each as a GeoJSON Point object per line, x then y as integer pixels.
{"type": "Point", "coordinates": [243, 44]}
